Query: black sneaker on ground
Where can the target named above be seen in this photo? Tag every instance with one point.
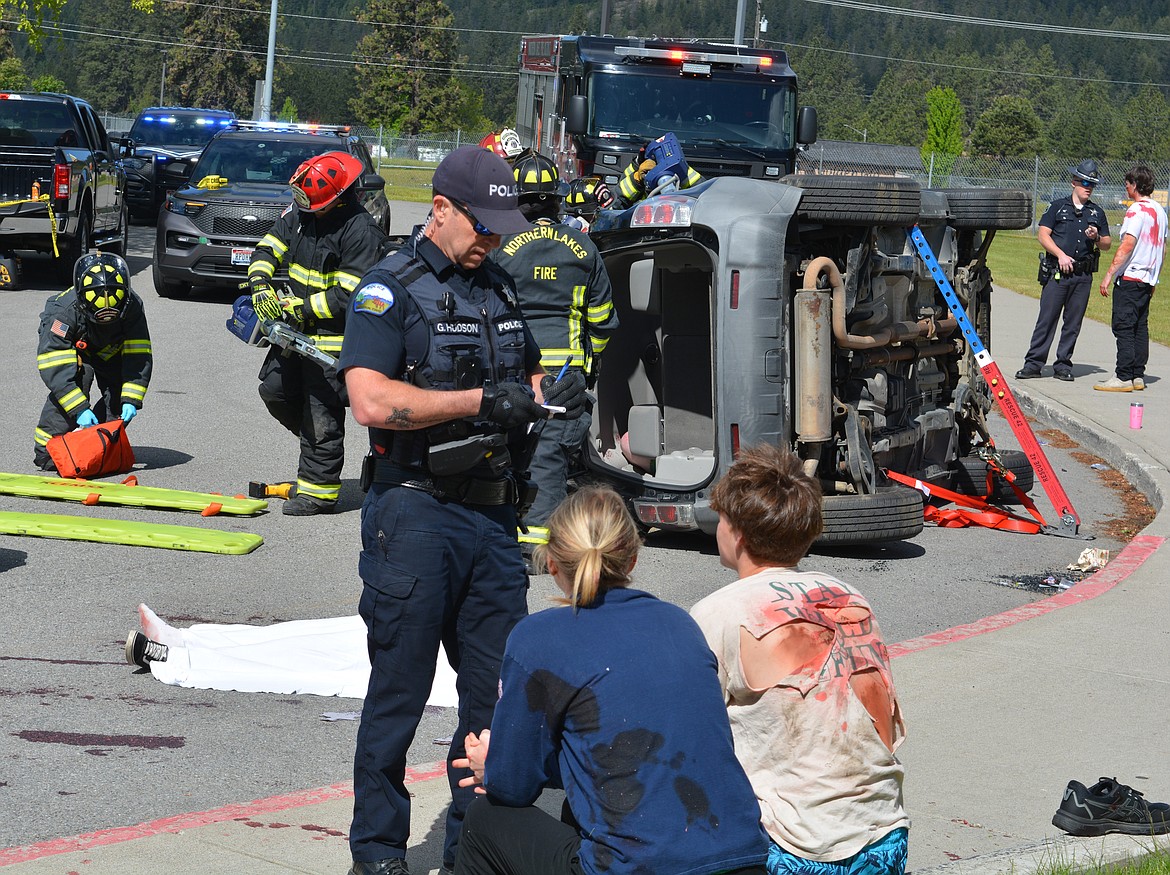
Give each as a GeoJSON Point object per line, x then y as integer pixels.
{"type": "Point", "coordinates": [1108, 806]}
{"type": "Point", "coordinates": [141, 651]}
{"type": "Point", "coordinates": [1025, 374]}
{"type": "Point", "coordinates": [1064, 375]}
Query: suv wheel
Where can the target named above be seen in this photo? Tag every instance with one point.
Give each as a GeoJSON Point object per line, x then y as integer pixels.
{"type": "Point", "coordinates": [168, 288]}
{"type": "Point", "coordinates": [893, 513]}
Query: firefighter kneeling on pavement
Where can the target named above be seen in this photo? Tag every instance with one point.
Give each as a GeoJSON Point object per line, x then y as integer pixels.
{"type": "Point", "coordinates": [567, 301]}
{"type": "Point", "coordinates": [94, 330]}
{"type": "Point", "coordinates": [328, 241]}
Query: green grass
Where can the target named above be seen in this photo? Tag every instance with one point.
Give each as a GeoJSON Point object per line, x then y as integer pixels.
{"type": "Point", "coordinates": [408, 180]}
{"type": "Point", "coordinates": [1013, 259]}
{"type": "Point", "coordinates": [1157, 863]}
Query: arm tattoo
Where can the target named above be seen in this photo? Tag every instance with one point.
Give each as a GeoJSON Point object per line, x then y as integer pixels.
{"type": "Point", "coordinates": [400, 416]}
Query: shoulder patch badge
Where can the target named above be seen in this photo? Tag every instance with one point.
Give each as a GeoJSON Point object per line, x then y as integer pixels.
{"type": "Point", "coordinates": [374, 299]}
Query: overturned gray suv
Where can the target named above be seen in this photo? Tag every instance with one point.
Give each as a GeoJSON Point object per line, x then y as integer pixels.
{"type": "Point", "coordinates": [796, 313]}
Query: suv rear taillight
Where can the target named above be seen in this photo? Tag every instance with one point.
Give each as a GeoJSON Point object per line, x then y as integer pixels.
{"type": "Point", "coordinates": [61, 181]}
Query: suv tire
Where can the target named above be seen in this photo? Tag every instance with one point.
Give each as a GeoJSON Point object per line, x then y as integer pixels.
{"type": "Point", "coordinates": [1000, 209]}
{"type": "Point", "coordinates": [858, 200]}
{"type": "Point", "coordinates": [168, 288]}
{"type": "Point", "coordinates": [970, 476]}
{"type": "Point", "coordinates": [893, 513]}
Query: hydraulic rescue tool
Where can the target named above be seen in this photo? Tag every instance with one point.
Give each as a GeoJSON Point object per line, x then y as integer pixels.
{"type": "Point", "coordinates": [255, 331]}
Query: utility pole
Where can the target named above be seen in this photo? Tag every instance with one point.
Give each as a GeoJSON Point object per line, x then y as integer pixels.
{"type": "Point", "coordinates": [266, 97]}
{"type": "Point", "coordinates": [761, 23]}
{"type": "Point", "coordinates": [162, 81]}
{"type": "Point", "coordinates": [740, 12]}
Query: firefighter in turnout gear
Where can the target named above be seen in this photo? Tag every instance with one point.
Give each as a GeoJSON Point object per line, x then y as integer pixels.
{"type": "Point", "coordinates": [657, 160]}
{"type": "Point", "coordinates": [326, 240]}
{"type": "Point", "coordinates": [95, 329]}
{"type": "Point", "coordinates": [567, 301]}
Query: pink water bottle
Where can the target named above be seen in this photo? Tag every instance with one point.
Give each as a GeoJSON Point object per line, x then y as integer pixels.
{"type": "Point", "coordinates": [1135, 414]}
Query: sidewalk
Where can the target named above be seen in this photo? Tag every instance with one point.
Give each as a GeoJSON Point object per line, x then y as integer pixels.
{"type": "Point", "coordinates": [1000, 714]}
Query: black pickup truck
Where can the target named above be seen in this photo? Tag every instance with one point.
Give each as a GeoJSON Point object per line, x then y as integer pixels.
{"type": "Point", "coordinates": [62, 185]}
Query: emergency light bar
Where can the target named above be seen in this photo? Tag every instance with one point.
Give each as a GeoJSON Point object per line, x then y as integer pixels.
{"type": "Point", "coordinates": [684, 55]}
{"type": "Point", "coordinates": [303, 127]}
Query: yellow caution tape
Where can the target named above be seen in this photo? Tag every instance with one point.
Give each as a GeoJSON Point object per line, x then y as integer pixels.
{"type": "Point", "coordinates": [211, 183]}
{"type": "Point", "coordinates": [44, 198]}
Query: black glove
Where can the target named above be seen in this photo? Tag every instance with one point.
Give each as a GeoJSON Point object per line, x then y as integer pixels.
{"type": "Point", "coordinates": [510, 405]}
{"type": "Point", "coordinates": [567, 392]}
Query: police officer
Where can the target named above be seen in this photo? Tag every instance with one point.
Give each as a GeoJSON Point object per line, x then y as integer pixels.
{"type": "Point", "coordinates": [327, 240]}
{"type": "Point", "coordinates": [1072, 231]}
{"type": "Point", "coordinates": [657, 160]}
{"type": "Point", "coordinates": [95, 329]}
{"type": "Point", "coordinates": [441, 366]}
{"type": "Point", "coordinates": [568, 303]}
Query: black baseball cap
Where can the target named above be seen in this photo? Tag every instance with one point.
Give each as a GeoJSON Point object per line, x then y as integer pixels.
{"type": "Point", "coordinates": [483, 182]}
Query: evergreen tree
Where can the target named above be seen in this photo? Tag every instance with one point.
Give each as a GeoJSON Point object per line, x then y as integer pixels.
{"type": "Point", "coordinates": [944, 129]}
{"type": "Point", "coordinates": [288, 111]}
{"type": "Point", "coordinates": [1009, 127]}
{"type": "Point", "coordinates": [830, 82]}
{"type": "Point", "coordinates": [124, 79]}
{"type": "Point", "coordinates": [220, 55]}
{"type": "Point", "coordinates": [1083, 125]}
{"type": "Point", "coordinates": [1143, 128]}
{"type": "Point", "coordinates": [897, 109]}
{"type": "Point", "coordinates": [405, 66]}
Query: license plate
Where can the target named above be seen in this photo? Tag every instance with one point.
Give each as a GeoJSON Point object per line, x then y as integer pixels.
{"type": "Point", "coordinates": [242, 256]}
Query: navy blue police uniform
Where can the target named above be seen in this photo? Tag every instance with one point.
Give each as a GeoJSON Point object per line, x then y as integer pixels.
{"type": "Point", "coordinates": [1065, 293]}
{"type": "Point", "coordinates": [440, 563]}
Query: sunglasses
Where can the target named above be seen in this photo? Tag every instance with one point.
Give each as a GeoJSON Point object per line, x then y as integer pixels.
{"type": "Point", "coordinates": [479, 228]}
{"type": "Point", "coordinates": [1086, 185]}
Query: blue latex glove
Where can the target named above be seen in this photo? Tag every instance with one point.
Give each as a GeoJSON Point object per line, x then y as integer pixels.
{"type": "Point", "coordinates": [129, 411]}
{"type": "Point", "coordinates": [86, 419]}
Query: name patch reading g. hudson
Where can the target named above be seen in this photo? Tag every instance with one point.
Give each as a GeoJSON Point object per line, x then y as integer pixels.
{"type": "Point", "coordinates": [375, 299]}
{"type": "Point", "coordinates": [469, 328]}
{"type": "Point", "coordinates": [505, 325]}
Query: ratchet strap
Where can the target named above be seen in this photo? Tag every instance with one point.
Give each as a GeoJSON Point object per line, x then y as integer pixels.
{"type": "Point", "coordinates": [975, 511]}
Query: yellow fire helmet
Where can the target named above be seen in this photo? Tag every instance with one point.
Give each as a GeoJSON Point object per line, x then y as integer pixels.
{"type": "Point", "coordinates": [102, 282]}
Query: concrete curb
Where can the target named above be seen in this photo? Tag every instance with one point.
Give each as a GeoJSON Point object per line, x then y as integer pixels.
{"type": "Point", "coordinates": [1077, 854]}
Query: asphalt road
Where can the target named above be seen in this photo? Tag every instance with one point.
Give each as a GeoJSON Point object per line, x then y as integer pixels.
{"type": "Point", "coordinates": [88, 743]}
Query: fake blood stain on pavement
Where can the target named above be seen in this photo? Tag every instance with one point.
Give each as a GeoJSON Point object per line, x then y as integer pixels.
{"type": "Point", "coordinates": [101, 743]}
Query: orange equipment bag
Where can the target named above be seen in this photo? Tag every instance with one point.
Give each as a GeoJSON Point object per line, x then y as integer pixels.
{"type": "Point", "coordinates": [96, 451]}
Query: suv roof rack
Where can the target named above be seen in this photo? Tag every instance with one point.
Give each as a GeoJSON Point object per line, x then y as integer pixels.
{"type": "Point", "coordinates": [299, 127]}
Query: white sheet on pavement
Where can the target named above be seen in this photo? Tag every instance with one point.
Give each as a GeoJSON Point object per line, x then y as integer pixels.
{"type": "Point", "coordinates": [322, 657]}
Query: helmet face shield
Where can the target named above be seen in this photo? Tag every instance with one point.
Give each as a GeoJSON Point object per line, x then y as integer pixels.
{"type": "Point", "coordinates": [102, 283]}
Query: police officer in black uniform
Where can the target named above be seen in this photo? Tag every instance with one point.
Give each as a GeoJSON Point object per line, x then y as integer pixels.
{"type": "Point", "coordinates": [1072, 231]}
{"type": "Point", "coordinates": [442, 368]}
{"type": "Point", "coordinates": [96, 329]}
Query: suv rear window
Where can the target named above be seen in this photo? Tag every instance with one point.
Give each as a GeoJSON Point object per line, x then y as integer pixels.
{"type": "Point", "coordinates": [247, 159]}
{"type": "Point", "coordinates": [36, 123]}
{"type": "Point", "coordinates": [176, 129]}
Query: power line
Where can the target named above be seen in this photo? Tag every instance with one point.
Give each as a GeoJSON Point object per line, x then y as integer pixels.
{"type": "Point", "coordinates": [1056, 76]}
{"type": "Point", "coordinates": [335, 60]}
{"type": "Point", "coordinates": [994, 22]}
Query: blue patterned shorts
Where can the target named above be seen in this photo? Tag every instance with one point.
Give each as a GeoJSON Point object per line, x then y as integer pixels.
{"type": "Point", "coordinates": [884, 857]}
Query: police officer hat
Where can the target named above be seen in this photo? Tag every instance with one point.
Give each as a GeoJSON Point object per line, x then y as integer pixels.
{"type": "Point", "coordinates": [1086, 171]}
